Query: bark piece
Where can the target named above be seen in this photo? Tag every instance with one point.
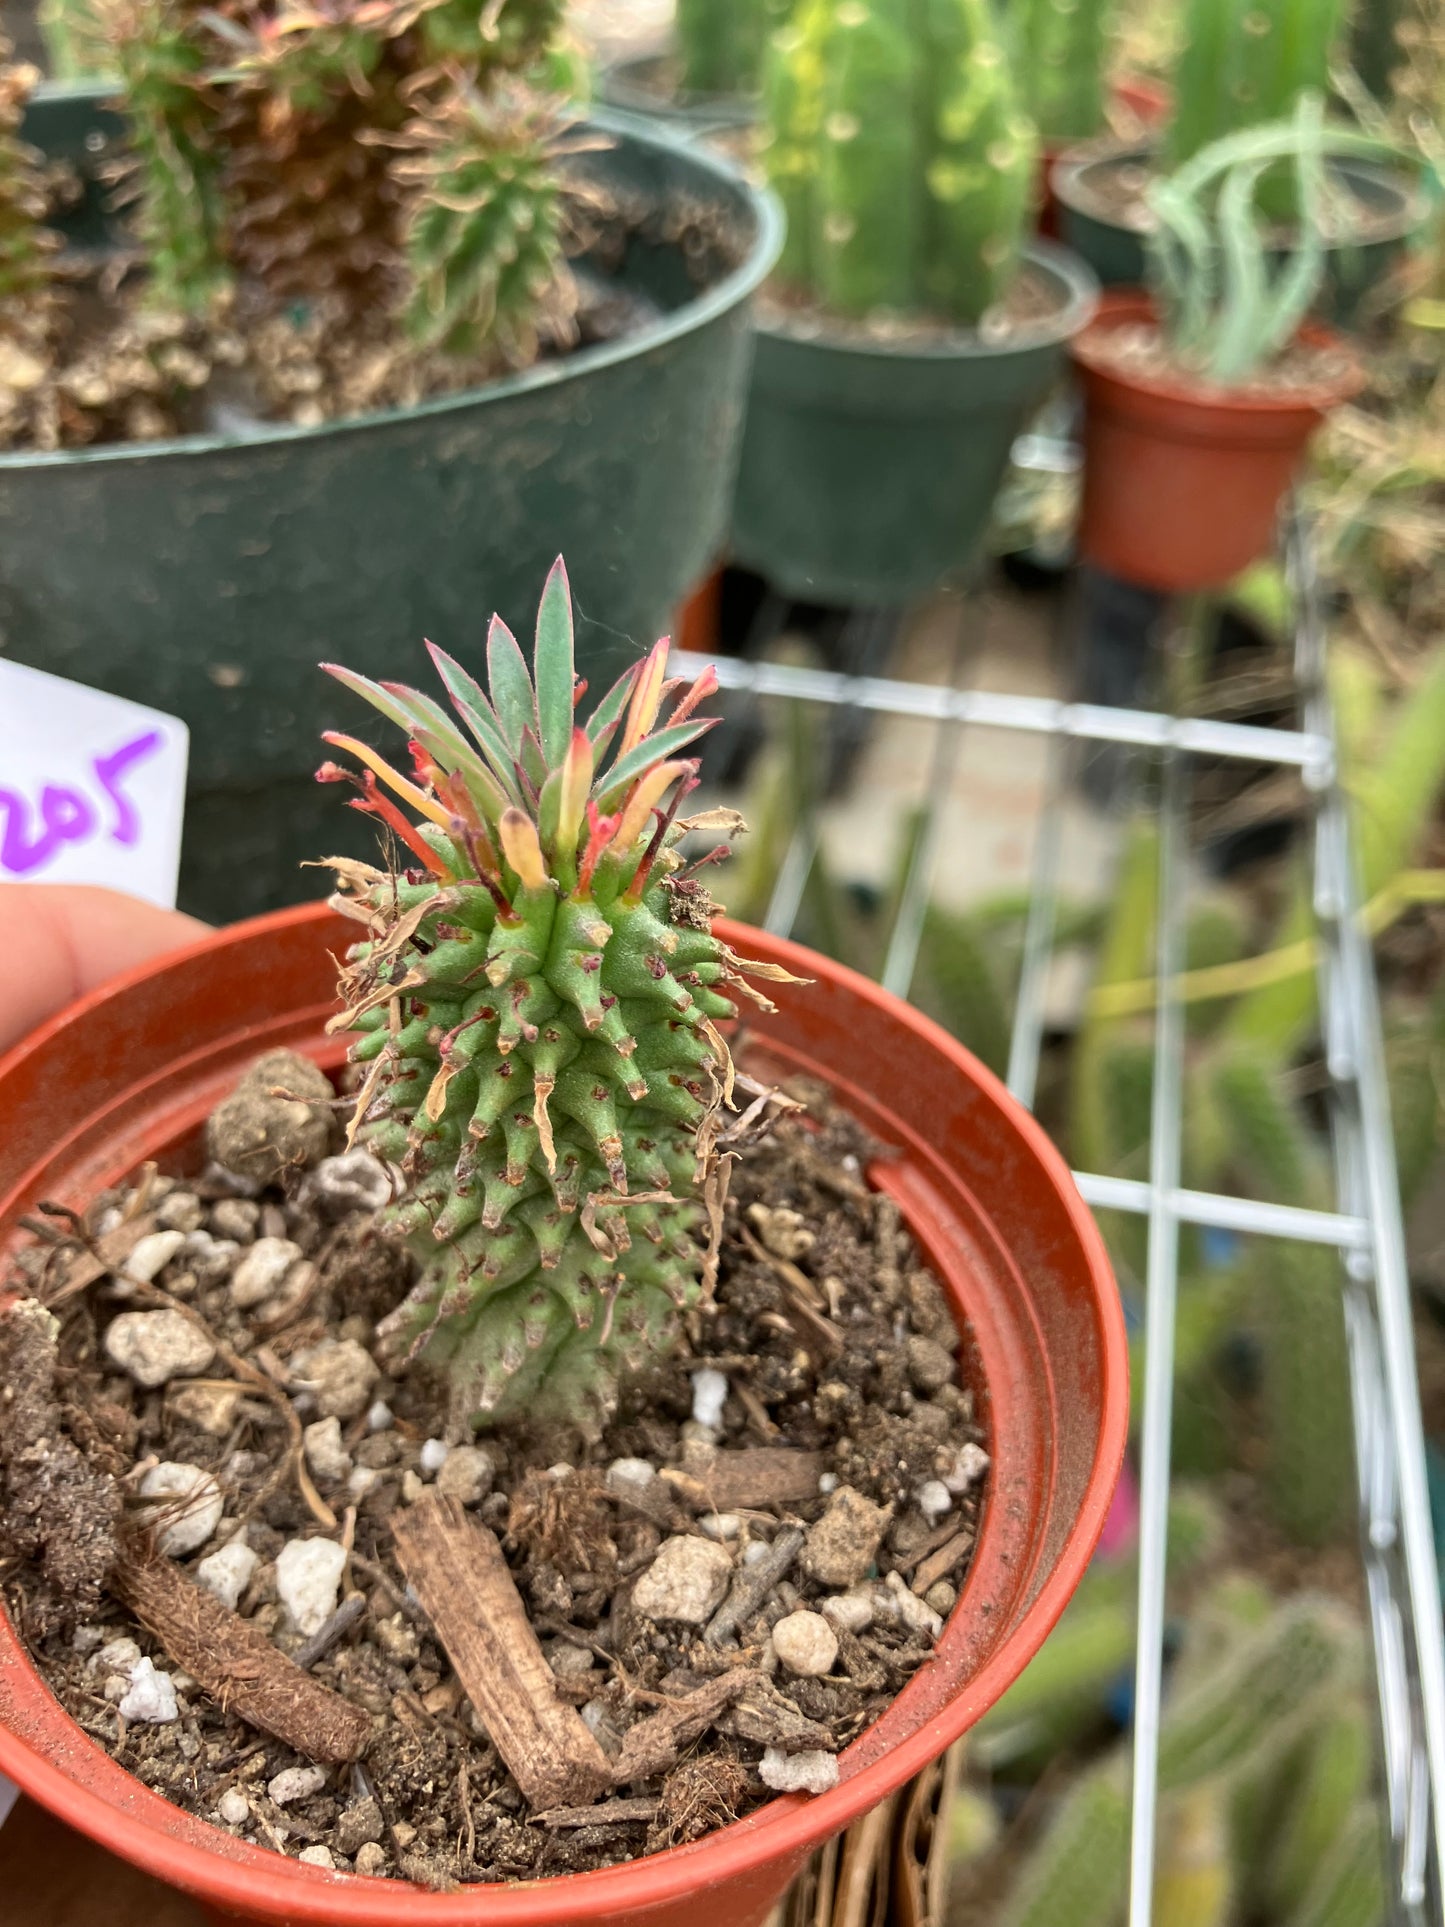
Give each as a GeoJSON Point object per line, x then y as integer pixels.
{"type": "Point", "coordinates": [752, 1586]}
{"type": "Point", "coordinates": [235, 1662]}
{"type": "Point", "coordinates": [655, 1744]}
{"type": "Point", "coordinates": [763, 1715]}
{"type": "Point", "coordinates": [939, 1564]}
{"type": "Point", "coordinates": [455, 1566]}
{"type": "Point", "coordinates": [762, 1476]}
{"type": "Point", "coordinates": [609, 1813]}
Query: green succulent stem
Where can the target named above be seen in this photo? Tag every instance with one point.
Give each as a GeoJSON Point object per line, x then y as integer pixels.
{"type": "Point", "coordinates": [534, 1009]}
{"type": "Point", "coordinates": [722, 47]}
{"type": "Point", "coordinates": [1058, 49]}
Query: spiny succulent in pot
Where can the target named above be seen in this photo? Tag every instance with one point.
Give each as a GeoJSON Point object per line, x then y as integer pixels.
{"type": "Point", "coordinates": [538, 1004]}
{"type": "Point", "coordinates": [1057, 50]}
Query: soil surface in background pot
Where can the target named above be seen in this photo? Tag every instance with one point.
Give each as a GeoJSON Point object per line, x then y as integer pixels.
{"type": "Point", "coordinates": [1139, 352]}
{"type": "Point", "coordinates": [743, 1571]}
{"type": "Point", "coordinates": [1033, 299]}
{"type": "Point", "coordinates": [109, 367]}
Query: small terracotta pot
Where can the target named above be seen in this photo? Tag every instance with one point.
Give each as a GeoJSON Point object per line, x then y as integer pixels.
{"type": "Point", "coordinates": [132, 1073]}
{"type": "Point", "coordinates": [1182, 482]}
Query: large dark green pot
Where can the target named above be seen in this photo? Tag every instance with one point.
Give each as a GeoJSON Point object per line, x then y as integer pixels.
{"type": "Point", "coordinates": [1114, 249]}
{"type": "Point", "coordinates": [869, 471]}
{"type": "Point", "coordinates": [209, 576]}
{"type": "Point", "coordinates": [645, 86]}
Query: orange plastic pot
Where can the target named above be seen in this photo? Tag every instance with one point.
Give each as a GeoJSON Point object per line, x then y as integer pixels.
{"type": "Point", "coordinates": [1182, 482]}
{"type": "Point", "coordinates": [132, 1072]}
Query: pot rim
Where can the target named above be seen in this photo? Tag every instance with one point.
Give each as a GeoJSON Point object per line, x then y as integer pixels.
{"type": "Point", "coordinates": [1119, 306]}
{"type": "Point", "coordinates": [1068, 271]}
{"type": "Point", "coordinates": [735, 288]}
{"type": "Point", "coordinates": [619, 88]}
{"type": "Point", "coordinates": [1078, 159]}
{"type": "Point", "coordinates": [789, 1825]}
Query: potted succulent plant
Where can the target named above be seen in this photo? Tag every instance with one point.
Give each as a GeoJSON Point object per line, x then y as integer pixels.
{"type": "Point", "coordinates": [374, 313]}
{"type": "Point", "coordinates": [1200, 401]}
{"type": "Point", "coordinates": [1057, 52]}
{"type": "Point", "coordinates": [910, 327]}
{"type": "Point", "coordinates": [709, 79]}
{"type": "Point", "coordinates": [625, 1409]}
{"type": "Point", "coordinates": [1242, 66]}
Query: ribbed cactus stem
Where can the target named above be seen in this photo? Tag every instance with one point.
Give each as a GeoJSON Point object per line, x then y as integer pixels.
{"type": "Point", "coordinates": [904, 160]}
{"type": "Point", "coordinates": [1058, 56]}
{"type": "Point", "coordinates": [534, 1004]}
{"type": "Point", "coordinates": [1079, 1870]}
{"type": "Point", "coordinates": [1330, 1778]}
{"type": "Point", "coordinates": [1245, 62]}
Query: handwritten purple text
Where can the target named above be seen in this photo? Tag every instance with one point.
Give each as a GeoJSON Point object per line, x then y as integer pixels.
{"type": "Point", "coordinates": [32, 834]}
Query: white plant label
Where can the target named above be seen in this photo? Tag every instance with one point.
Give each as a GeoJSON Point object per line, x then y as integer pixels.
{"type": "Point", "coordinates": [92, 787]}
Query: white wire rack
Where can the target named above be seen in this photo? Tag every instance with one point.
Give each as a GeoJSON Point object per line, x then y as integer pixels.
{"type": "Point", "coordinates": [1366, 1228]}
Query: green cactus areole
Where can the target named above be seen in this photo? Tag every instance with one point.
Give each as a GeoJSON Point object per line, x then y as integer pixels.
{"type": "Point", "coordinates": [535, 1004]}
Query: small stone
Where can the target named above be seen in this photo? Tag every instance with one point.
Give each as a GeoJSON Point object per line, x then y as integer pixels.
{"type": "Point", "coordinates": [942, 1597]}
{"type": "Point", "coordinates": [812, 1771]}
{"type": "Point", "coordinates": [308, 1577]}
{"type": "Point", "coordinates": [317, 1856]}
{"type": "Point", "coordinates": [189, 1510]}
{"type": "Point", "coordinates": [182, 1211]}
{"type": "Point", "coordinates": [341, 1374]}
{"type": "Point", "coordinates": [785, 1232]}
{"type": "Point", "coordinates": [116, 1656]}
{"type": "Point", "coordinates": [371, 1859]}
{"type": "Point", "coordinates": [325, 1453]}
{"type": "Point", "coordinates": [412, 1487]}
{"type": "Point", "coordinates": [379, 1417]}
{"type": "Point", "coordinates": [233, 1809]}
{"type": "Point", "coordinates": [709, 1395]}
{"type": "Point", "coordinates": [152, 1696]}
{"type": "Point", "coordinates": [260, 1136]}
{"type": "Point", "coordinates": [360, 1482]}
{"type": "Point", "coordinates": [397, 1638]}
{"type": "Point", "coordinates": [909, 1609]}
{"type": "Point", "coordinates": [933, 1500]}
{"type": "Point", "coordinates": [686, 1581]}
{"type": "Point", "coordinates": [150, 1255]}
{"type": "Point", "coordinates": [262, 1271]}
{"type": "Point", "coordinates": [210, 1408]}
{"type": "Point", "coordinates": [209, 1259]}
{"type": "Point", "coordinates": [85, 1639]}
{"type": "Point", "coordinates": [806, 1644]}
{"type": "Point", "coordinates": [627, 1476]}
{"type": "Point", "coordinates": [235, 1219]}
{"type": "Point", "coordinates": [433, 1456]}
{"type": "Point", "coordinates": [295, 1783]}
{"type": "Point", "coordinates": [154, 1347]}
{"type": "Point", "coordinates": [851, 1612]}
{"type": "Point", "coordinates": [930, 1367]}
{"type": "Point", "coordinates": [597, 1717]}
{"type": "Point", "coordinates": [360, 1825]}
{"type": "Point", "coordinates": [568, 1661]}
{"type": "Point", "coordinates": [228, 1571]}
{"type": "Point", "coordinates": [354, 1181]}
{"type": "Point", "coordinates": [827, 1483]}
{"type": "Point", "coordinates": [467, 1475]}
{"type": "Point", "coordinates": [720, 1525]}
{"type": "Point", "coordinates": [967, 1469]}
{"type": "Point", "coordinates": [702, 1438]}
{"type": "Point", "coordinates": [844, 1542]}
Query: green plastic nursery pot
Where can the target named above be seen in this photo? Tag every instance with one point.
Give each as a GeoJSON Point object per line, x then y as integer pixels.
{"type": "Point", "coordinates": [208, 576]}
{"type": "Point", "coordinates": [1113, 243]}
{"type": "Point", "coordinates": [869, 468]}
{"type": "Point", "coordinates": [645, 85]}
{"type": "Point", "coordinates": [132, 1073]}
{"type": "Point", "coordinates": [1183, 481]}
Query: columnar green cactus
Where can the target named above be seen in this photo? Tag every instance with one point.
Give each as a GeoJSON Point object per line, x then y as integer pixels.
{"type": "Point", "coordinates": [1246, 62]}
{"type": "Point", "coordinates": [484, 244]}
{"type": "Point", "coordinates": [536, 1001]}
{"type": "Point", "coordinates": [722, 45]}
{"type": "Point", "coordinates": [903, 158]}
{"type": "Point", "coordinates": [1058, 56]}
{"type": "Point", "coordinates": [26, 244]}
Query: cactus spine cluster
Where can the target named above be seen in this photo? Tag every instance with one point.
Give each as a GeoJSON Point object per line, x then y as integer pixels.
{"type": "Point", "coordinates": [898, 145]}
{"type": "Point", "coordinates": [721, 47]}
{"type": "Point", "coordinates": [1058, 51]}
{"type": "Point", "coordinates": [388, 159]}
{"type": "Point", "coordinates": [26, 245]}
{"type": "Point", "coordinates": [1246, 62]}
{"type": "Point", "coordinates": [535, 1005]}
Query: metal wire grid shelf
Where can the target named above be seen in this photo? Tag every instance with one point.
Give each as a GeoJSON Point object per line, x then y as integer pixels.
{"type": "Point", "coordinates": [1395, 1528]}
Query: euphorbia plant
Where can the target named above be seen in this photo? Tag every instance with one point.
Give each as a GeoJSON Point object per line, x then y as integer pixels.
{"type": "Point", "coordinates": [537, 1001]}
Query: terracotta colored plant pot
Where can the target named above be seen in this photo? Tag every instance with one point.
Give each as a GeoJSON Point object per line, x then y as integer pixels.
{"type": "Point", "coordinates": [1151, 102]}
{"type": "Point", "coordinates": [1182, 482]}
{"type": "Point", "coordinates": [132, 1072]}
